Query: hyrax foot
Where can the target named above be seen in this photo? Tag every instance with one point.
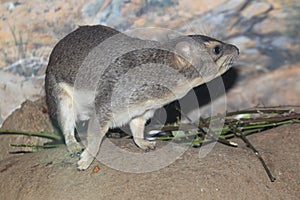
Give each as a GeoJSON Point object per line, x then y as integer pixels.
{"type": "Point", "coordinates": [145, 144]}
{"type": "Point", "coordinates": [85, 161]}
{"type": "Point", "coordinates": [74, 148]}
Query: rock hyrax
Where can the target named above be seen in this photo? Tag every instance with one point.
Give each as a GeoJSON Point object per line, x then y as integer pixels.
{"type": "Point", "coordinates": [111, 79]}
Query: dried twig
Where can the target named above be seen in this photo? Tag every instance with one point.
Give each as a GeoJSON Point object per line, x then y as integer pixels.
{"type": "Point", "coordinates": [256, 152]}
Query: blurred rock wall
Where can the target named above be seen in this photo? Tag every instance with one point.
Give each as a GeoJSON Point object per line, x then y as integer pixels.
{"type": "Point", "coordinates": [267, 33]}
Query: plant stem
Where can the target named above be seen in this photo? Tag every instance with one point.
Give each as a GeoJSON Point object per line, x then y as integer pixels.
{"type": "Point", "coordinates": [37, 146]}
{"type": "Point", "coordinates": [29, 133]}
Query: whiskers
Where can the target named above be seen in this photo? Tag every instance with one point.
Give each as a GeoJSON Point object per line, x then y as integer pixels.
{"type": "Point", "coordinates": [227, 62]}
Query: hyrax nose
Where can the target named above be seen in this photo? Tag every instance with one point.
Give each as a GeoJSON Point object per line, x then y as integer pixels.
{"type": "Point", "coordinates": [234, 48]}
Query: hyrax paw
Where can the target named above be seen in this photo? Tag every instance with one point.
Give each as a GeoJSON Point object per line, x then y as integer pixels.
{"type": "Point", "coordinates": [85, 161]}
{"type": "Point", "coordinates": [74, 149]}
{"type": "Point", "coordinates": [150, 148]}
{"type": "Point", "coordinates": [144, 144]}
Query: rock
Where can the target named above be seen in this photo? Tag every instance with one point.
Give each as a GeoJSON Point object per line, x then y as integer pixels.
{"type": "Point", "coordinates": [243, 42]}
{"type": "Point", "coordinates": [122, 14]}
{"type": "Point", "coordinates": [268, 26]}
{"type": "Point", "coordinates": [91, 8]}
{"type": "Point", "coordinates": [225, 173]}
{"type": "Point", "coordinates": [256, 9]}
{"type": "Point", "coordinates": [11, 5]}
{"type": "Point", "coordinates": [15, 89]}
{"type": "Point", "coordinates": [110, 15]}
{"type": "Point", "coordinates": [1, 119]}
{"type": "Point", "coordinates": [31, 117]}
{"type": "Point", "coordinates": [162, 3]}
{"type": "Point", "coordinates": [230, 6]}
{"type": "Point", "coordinates": [250, 51]}
{"type": "Point", "coordinates": [272, 88]}
{"type": "Point", "coordinates": [197, 7]}
{"type": "Point", "coordinates": [284, 43]}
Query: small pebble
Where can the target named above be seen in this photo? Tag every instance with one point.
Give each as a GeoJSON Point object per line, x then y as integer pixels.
{"type": "Point", "coordinates": [96, 169]}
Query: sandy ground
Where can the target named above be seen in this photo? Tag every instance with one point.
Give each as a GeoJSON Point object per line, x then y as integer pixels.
{"type": "Point", "coordinates": [225, 173]}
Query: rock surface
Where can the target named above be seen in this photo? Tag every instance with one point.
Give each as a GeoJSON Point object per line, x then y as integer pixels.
{"type": "Point", "coordinates": [31, 117]}
{"type": "Point", "coordinates": [225, 173]}
{"type": "Point", "coordinates": [15, 89]}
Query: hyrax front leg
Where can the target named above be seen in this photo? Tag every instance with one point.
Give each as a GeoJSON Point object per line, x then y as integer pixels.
{"type": "Point", "coordinates": [66, 118]}
{"type": "Point", "coordinates": [137, 127]}
{"type": "Point", "coordinates": [95, 133]}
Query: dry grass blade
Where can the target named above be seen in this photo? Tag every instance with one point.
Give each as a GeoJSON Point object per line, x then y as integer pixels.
{"type": "Point", "coordinates": [236, 124]}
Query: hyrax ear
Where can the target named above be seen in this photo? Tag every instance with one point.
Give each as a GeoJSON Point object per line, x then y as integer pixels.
{"type": "Point", "coordinates": [183, 53]}
{"type": "Point", "coordinates": [184, 49]}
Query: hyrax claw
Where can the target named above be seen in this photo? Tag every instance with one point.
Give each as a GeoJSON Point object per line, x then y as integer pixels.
{"type": "Point", "coordinates": [145, 144]}
{"type": "Point", "coordinates": [74, 149]}
{"type": "Point", "coordinates": [85, 161]}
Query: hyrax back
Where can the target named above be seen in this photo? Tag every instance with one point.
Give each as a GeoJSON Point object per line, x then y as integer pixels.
{"type": "Point", "coordinates": [98, 74]}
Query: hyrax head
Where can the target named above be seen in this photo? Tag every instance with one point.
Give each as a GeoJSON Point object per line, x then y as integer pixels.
{"type": "Point", "coordinates": [205, 52]}
{"type": "Point", "coordinates": [222, 54]}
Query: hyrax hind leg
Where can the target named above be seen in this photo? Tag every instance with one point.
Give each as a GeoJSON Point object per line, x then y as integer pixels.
{"type": "Point", "coordinates": [95, 133]}
{"type": "Point", "coordinates": [66, 118]}
{"type": "Point", "coordinates": [137, 127]}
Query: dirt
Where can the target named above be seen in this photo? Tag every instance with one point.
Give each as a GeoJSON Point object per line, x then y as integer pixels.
{"type": "Point", "coordinates": [225, 173]}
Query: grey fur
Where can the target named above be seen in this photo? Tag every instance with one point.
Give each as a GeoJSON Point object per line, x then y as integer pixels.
{"type": "Point", "coordinates": [98, 73]}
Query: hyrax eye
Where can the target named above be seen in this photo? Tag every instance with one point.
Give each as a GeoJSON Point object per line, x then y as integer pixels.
{"type": "Point", "coordinates": [217, 50]}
